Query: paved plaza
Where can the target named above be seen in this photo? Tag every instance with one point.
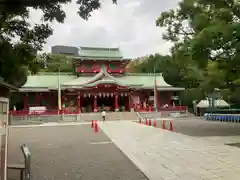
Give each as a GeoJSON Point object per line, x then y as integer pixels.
{"type": "Point", "coordinates": [195, 126]}
{"type": "Point", "coordinates": [69, 153]}
{"type": "Point", "coordinates": [196, 150]}
{"type": "Point", "coordinates": [165, 155]}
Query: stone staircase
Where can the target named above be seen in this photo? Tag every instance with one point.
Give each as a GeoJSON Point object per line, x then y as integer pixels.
{"type": "Point", "coordinates": [84, 117]}
{"type": "Point", "coordinates": [154, 115]}
{"type": "Point", "coordinates": [89, 116]}
{"type": "Point", "coordinates": [117, 116]}
{"type": "Point", "coordinates": [162, 114]}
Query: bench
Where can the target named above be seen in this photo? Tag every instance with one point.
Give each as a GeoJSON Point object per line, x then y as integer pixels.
{"type": "Point", "coordinates": [25, 169]}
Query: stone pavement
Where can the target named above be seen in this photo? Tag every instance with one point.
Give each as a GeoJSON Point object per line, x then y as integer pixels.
{"type": "Point", "coordinates": [70, 153]}
{"type": "Point", "coordinates": [164, 155]}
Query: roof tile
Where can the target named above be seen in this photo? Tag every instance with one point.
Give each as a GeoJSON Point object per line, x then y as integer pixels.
{"type": "Point", "coordinates": [91, 52]}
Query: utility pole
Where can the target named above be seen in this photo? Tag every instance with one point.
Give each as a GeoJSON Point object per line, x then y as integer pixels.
{"type": "Point", "coordinates": [59, 93]}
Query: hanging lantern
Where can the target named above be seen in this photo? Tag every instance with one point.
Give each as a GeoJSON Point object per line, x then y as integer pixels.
{"type": "Point", "coordinates": [126, 94]}
{"type": "Point", "coordinates": [89, 95]}
{"type": "Point", "coordinates": [103, 94]}
{"type": "Point", "coordinates": [121, 94]}
{"type": "Point", "coordinates": [107, 94]}
{"type": "Point", "coordinates": [99, 94]}
{"type": "Point", "coordinates": [112, 94]}
{"type": "Point", "coordinates": [84, 95]}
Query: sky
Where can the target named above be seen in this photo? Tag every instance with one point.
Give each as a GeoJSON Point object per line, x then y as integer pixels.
{"type": "Point", "coordinates": [130, 25]}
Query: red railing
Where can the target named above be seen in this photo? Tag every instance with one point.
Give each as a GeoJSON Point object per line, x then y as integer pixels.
{"type": "Point", "coordinates": [151, 109]}
{"type": "Point", "coordinates": [93, 69]}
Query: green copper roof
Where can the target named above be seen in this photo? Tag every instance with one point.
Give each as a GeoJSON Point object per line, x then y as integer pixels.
{"type": "Point", "coordinates": [99, 58]}
{"type": "Point", "coordinates": [94, 52]}
{"type": "Point", "coordinates": [46, 81]}
{"type": "Point", "coordinates": [100, 78]}
{"type": "Point", "coordinates": [136, 81]}
{"type": "Point", "coordinates": [144, 80]}
{"type": "Point", "coordinates": [105, 81]}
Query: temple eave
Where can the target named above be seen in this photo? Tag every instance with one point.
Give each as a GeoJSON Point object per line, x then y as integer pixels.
{"type": "Point", "coordinates": [33, 89]}
{"type": "Point", "coordinates": [47, 89]}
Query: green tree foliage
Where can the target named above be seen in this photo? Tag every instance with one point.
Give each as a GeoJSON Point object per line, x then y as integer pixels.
{"type": "Point", "coordinates": [55, 62]}
{"type": "Point", "coordinates": [208, 34]}
{"type": "Point", "coordinates": [206, 50]}
{"type": "Point", "coordinates": [18, 58]}
{"type": "Point", "coordinates": [175, 72]}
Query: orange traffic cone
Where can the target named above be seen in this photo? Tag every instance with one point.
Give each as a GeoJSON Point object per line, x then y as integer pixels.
{"type": "Point", "coordinates": [93, 123]}
{"type": "Point", "coordinates": [163, 124]}
{"type": "Point", "coordinates": [150, 122]}
{"type": "Point", "coordinates": [96, 127]}
{"type": "Point", "coordinates": [171, 126]}
{"type": "Point", "coordinates": [155, 123]}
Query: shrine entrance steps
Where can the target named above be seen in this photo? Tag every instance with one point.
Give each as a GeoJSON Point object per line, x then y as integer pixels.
{"type": "Point", "coordinates": [83, 117]}
{"type": "Point", "coordinates": [118, 116]}
{"type": "Point", "coordinates": [159, 115]}
{"type": "Point", "coordinates": [110, 116]}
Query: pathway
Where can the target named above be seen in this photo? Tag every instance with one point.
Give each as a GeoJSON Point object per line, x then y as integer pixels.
{"type": "Point", "coordinates": [164, 155]}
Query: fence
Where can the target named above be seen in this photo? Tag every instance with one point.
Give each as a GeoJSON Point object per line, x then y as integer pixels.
{"type": "Point", "coordinates": [222, 117]}
{"type": "Point", "coordinates": [43, 118]}
{"type": "Point", "coordinates": [151, 109]}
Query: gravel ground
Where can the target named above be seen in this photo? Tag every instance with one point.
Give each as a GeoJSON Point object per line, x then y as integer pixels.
{"type": "Point", "coordinates": [69, 153]}
{"type": "Point", "coordinates": [202, 128]}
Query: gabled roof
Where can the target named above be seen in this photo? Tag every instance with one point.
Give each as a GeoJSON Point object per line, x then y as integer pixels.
{"type": "Point", "coordinates": [94, 52]}
{"type": "Point", "coordinates": [102, 77]}
{"type": "Point", "coordinates": [136, 81]}
{"type": "Point", "coordinates": [45, 81]}
{"type": "Point", "coordinates": [105, 81]}
{"type": "Point", "coordinates": [217, 103]}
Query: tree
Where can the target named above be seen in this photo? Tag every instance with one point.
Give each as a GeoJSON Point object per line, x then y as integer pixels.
{"type": "Point", "coordinates": [55, 62]}
{"type": "Point", "coordinates": [180, 73]}
{"type": "Point", "coordinates": [208, 34]}
{"type": "Point", "coordinates": [175, 72]}
{"type": "Point", "coordinates": [17, 59]}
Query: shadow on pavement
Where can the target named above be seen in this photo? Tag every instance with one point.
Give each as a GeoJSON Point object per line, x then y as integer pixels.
{"type": "Point", "coordinates": [70, 153]}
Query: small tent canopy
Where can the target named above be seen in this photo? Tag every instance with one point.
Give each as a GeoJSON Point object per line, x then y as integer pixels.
{"type": "Point", "coordinates": [220, 103]}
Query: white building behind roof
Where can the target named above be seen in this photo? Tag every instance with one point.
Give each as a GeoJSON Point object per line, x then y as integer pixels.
{"type": "Point", "coordinates": [220, 103]}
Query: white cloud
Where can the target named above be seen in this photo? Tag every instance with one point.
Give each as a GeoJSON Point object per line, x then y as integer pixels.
{"type": "Point", "coordinates": [129, 25]}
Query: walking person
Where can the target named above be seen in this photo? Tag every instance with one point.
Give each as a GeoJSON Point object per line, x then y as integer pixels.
{"type": "Point", "coordinates": [103, 115]}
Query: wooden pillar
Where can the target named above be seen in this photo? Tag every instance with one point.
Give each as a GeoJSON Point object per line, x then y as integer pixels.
{"type": "Point", "coordinates": [169, 98]}
{"type": "Point", "coordinates": [95, 103]}
{"type": "Point", "coordinates": [25, 101]}
{"type": "Point", "coordinates": [37, 99]}
{"type": "Point", "coordinates": [51, 104]}
{"type": "Point", "coordinates": [79, 103]}
{"type": "Point", "coordinates": [116, 102]}
{"type": "Point", "coordinates": [159, 99]}
{"type": "Point", "coordinates": [63, 100]}
{"type": "Point", "coordinates": [130, 100]}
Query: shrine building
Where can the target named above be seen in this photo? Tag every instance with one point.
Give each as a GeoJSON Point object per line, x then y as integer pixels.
{"type": "Point", "coordinates": [98, 81]}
